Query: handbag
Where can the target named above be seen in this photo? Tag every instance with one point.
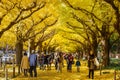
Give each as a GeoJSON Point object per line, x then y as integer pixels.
{"type": "Point", "coordinates": [96, 62]}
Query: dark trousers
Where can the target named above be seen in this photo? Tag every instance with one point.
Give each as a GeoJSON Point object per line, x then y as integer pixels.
{"type": "Point", "coordinates": [56, 65]}
{"type": "Point", "coordinates": [25, 72]}
{"type": "Point", "coordinates": [70, 66]}
{"type": "Point", "coordinates": [33, 68]}
{"type": "Point", "coordinates": [91, 71]}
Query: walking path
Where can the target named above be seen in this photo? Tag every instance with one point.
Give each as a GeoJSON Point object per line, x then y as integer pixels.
{"type": "Point", "coordinates": [74, 75]}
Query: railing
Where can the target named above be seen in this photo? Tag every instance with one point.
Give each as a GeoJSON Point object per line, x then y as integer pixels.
{"type": "Point", "coordinates": [3, 66]}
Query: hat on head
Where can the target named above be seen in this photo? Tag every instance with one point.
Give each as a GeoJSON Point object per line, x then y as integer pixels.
{"type": "Point", "coordinates": [32, 51]}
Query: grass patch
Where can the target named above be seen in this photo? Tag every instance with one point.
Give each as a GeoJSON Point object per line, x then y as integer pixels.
{"type": "Point", "coordinates": [114, 64]}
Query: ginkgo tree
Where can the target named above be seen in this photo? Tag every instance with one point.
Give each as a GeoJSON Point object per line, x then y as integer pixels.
{"type": "Point", "coordinates": [13, 11]}
{"type": "Point", "coordinates": [115, 4]}
{"type": "Point", "coordinates": [97, 24]}
{"type": "Point", "coordinates": [26, 19]}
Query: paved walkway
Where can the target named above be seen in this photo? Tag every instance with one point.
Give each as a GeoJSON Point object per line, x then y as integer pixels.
{"type": "Point", "coordinates": [54, 75]}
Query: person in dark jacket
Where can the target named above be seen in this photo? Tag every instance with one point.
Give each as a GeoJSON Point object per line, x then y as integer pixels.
{"type": "Point", "coordinates": [33, 64]}
{"type": "Point", "coordinates": [78, 64]}
{"type": "Point", "coordinates": [70, 62]}
{"type": "Point", "coordinates": [91, 64]}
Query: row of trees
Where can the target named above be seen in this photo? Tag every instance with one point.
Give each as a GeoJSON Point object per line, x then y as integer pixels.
{"type": "Point", "coordinates": [97, 24]}
{"type": "Point", "coordinates": [29, 21]}
{"type": "Point", "coordinates": [87, 25]}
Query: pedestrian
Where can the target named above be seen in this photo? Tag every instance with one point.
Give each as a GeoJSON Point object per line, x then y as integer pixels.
{"type": "Point", "coordinates": [91, 64]}
{"type": "Point", "coordinates": [78, 64]}
{"type": "Point", "coordinates": [56, 60]}
{"type": "Point", "coordinates": [33, 64]}
{"type": "Point", "coordinates": [60, 62]}
{"type": "Point", "coordinates": [70, 62]}
{"type": "Point", "coordinates": [41, 61]}
{"type": "Point", "coordinates": [25, 64]}
{"type": "Point", "coordinates": [45, 61]}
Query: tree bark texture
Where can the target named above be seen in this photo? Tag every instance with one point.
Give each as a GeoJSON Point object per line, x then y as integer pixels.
{"type": "Point", "coordinates": [19, 49]}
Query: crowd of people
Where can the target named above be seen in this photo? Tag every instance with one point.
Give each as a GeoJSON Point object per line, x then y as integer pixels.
{"type": "Point", "coordinates": [44, 61]}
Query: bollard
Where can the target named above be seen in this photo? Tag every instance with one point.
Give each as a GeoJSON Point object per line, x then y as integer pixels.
{"type": "Point", "coordinates": [13, 68]}
{"type": "Point", "coordinates": [4, 66]}
{"type": "Point", "coordinates": [100, 68]}
{"type": "Point", "coordinates": [5, 63]}
{"type": "Point", "coordinates": [115, 75]}
{"type": "Point", "coordinates": [6, 74]}
{"type": "Point", "coordinates": [0, 62]}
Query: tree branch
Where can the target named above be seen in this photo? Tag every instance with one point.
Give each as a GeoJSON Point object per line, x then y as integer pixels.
{"type": "Point", "coordinates": [44, 29]}
{"type": "Point", "coordinates": [84, 11]}
{"type": "Point", "coordinates": [15, 21]}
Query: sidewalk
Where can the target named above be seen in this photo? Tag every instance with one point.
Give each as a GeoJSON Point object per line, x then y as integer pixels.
{"type": "Point", "coordinates": [54, 75]}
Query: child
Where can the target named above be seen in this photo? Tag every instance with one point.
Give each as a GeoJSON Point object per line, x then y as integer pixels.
{"type": "Point", "coordinates": [78, 64]}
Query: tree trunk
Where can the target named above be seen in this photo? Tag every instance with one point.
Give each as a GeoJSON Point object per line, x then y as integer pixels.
{"type": "Point", "coordinates": [95, 46]}
{"type": "Point", "coordinates": [40, 48]}
{"type": "Point", "coordinates": [106, 53]}
{"type": "Point", "coordinates": [118, 49]}
{"type": "Point", "coordinates": [19, 49]}
{"type": "Point", "coordinates": [32, 43]}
